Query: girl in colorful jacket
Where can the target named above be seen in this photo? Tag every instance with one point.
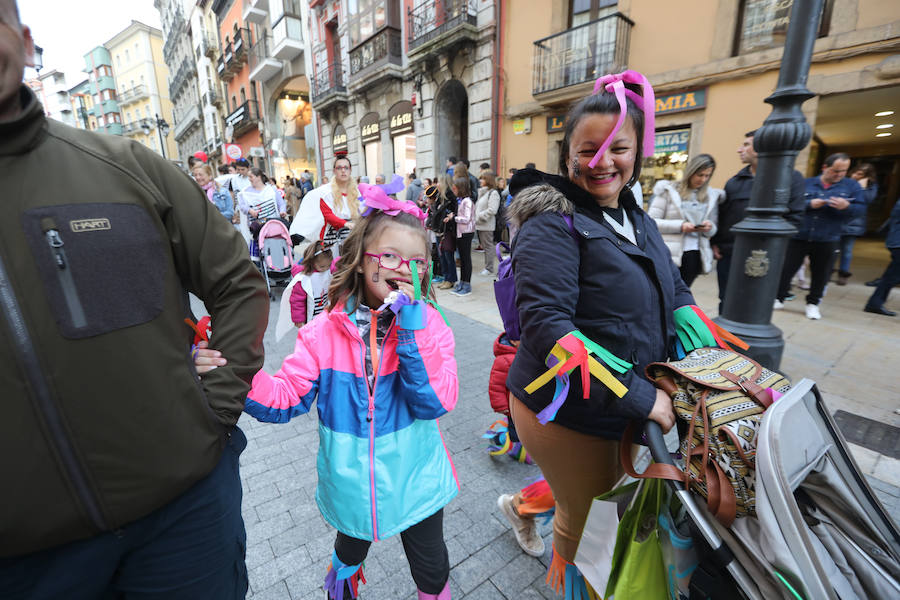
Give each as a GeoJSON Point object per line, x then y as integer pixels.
{"type": "Point", "coordinates": [381, 378]}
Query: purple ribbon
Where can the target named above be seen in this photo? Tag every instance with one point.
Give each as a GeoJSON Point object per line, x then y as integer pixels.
{"type": "Point", "coordinates": [616, 84]}
{"type": "Point", "coordinates": [373, 197]}
{"type": "Point", "coordinates": [399, 302]}
{"type": "Point", "coordinates": [562, 391]}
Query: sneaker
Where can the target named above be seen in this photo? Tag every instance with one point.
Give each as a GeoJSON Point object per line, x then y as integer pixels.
{"type": "Point", "coordinates": [437, 279]}
{"type": "Point", "coordinates": [789, 297]}
{"type": "Point", "coordinates": [804, 286]}
{"type": "Point", "coordinates": [524, 528]}
{"type": "Point", "coordinates": [812, 312]}
{"type": "Point", "coordinates": [464, 289]}
{"type": "Point", "coordinates": [446, 285]}
{"type": "Point", "coordinates": [486, 273]}
{"type": "Point", "coordinates": [778, 305]}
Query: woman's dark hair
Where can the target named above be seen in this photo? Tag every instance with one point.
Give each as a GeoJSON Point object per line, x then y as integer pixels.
{"type": "Point", "coordinates": [462, 187]}
{"type": "Point", "coordinates": [259, 173]}
{"type": "Point", "coordinates": [605, 103]}
{"type": "Point", "coordinates": [867, 169]}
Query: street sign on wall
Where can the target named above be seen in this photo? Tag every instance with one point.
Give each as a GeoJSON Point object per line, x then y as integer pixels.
{"type": "Point", "coordinates": [400, 118]}
{"type": "Point", "coordinates": [339, 140]}
{"type": "Point", "coordinates": [683, 101]}
{"type": "Point", "coordinates": [369, 130]}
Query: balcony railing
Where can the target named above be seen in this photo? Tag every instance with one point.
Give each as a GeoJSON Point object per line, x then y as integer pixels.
{"type": "Point", "coordinates": [186, 120]}
{"type": "Point", "coordinates": [138, 92]}
{"type": "Point", "coordinates": [439, 18]}
{"type": "Point", "coordinates": [328, 83]}
{"type": "Point", "coordinates": [287, 38]}
{"type": "Point", "coordinates": [212, 97]}
{"type": "Point", "coordinates": [244, 116]}
{"type": "Point", "coordinates": [382, 48]}
{"type": "Point", "coordinates": [262, 65]}
{"type": "Point", "coordinates": [209, 44]}
{"type": "Point", "coordinates": [241, 43]}
{"type": "Point", "coordinates": [581, 54]}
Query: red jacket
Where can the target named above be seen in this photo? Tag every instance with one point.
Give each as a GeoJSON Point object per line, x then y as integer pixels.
{"type": "Point", "coordinates": [504, 353]}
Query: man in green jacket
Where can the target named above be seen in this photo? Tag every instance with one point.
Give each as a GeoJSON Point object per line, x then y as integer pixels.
{"type": "Point", "coordinates": [119, 465]}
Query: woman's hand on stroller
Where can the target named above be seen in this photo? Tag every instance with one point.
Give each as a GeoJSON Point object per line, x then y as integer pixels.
{"type": "Point", "coordinates": [206, 359]}
{"type": "Point", "coordinates": [662, 411]}
{"type": "Point", "coordinates": [253, 213]}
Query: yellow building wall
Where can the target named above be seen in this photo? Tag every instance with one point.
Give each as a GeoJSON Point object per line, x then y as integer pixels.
{"type": "Point", "coordinates": [658, 46]}
{"type": "Point", "coordinates": [877, 12]}
{"type": "Point", "coordinates": [161, 71]}
{"type": "Point", "coordinates": [525, 22]}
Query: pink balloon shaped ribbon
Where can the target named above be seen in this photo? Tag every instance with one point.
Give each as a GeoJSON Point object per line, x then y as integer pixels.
{"type": "Point", "coordinates": [646, 101]}
{"type": "Point", "coordinates": [373, 197]}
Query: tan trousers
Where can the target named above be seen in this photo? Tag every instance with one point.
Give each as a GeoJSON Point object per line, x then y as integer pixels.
{"type": "Point", "coordinates": [577, 467]}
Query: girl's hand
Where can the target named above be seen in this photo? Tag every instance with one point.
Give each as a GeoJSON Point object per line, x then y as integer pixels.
{"type": "Point", "coordinates": [407, 289]}
{"type": "Point", "coordinates": [253, 213]}
{"type": "Point", "coordinates": [688, 227]}
{"type": "Point", "coordinates": [206, 359]}
{"type": "Point", "coordinates": [299, 325]}
{"type": "Point", "coordinates": [662, 411]}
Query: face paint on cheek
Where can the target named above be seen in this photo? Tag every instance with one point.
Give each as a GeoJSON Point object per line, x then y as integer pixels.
{"type": "Point", "coordinates": [576, 168]}
{"type": "Point", "coordinates": [375, 277]}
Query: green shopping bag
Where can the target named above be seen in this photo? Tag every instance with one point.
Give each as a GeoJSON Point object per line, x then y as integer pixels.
{"type": "Point", "coordinates": [638, 571]}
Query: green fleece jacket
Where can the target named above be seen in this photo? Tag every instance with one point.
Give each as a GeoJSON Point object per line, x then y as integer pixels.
{"type": "Point", "coordinates": [104, 416]}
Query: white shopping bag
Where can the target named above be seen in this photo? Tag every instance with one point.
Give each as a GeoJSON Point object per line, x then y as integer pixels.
{"type": "Point", "coordinates": [595, 550]}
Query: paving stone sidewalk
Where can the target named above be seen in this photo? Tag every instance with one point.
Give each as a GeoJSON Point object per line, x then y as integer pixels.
{"type": "Point", "coordinates": [289, 545]}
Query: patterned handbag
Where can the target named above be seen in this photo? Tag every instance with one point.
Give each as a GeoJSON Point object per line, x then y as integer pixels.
{"type": "Point", "coordinates": [719, 397]}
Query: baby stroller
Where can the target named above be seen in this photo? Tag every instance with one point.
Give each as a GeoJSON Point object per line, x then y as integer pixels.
{"type": "Point", "coordinates": [275, 254]}
{"type": "Point", "coordinates": [819, 532]}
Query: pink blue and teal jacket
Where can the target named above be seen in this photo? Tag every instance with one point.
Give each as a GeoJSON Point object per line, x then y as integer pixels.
{"type": "Point", "coordinates": [382, 463]}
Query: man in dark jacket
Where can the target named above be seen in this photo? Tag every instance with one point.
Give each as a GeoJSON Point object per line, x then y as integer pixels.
{"type": "Point", "coordinates": [891, 276]}
{"type": "Point", "coordinates": [828, 196]}
{"type": "Point", "coordinates": [737, 198]}
{"type": "Point", "coordinates": [120, 464]}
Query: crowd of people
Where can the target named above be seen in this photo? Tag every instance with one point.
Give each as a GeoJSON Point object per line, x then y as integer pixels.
{"type": "Point", "coordinates": [123, 445]}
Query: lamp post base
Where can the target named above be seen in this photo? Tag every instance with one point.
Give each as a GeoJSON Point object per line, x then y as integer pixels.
{"type": "Point", "coordinates": [766, 342]}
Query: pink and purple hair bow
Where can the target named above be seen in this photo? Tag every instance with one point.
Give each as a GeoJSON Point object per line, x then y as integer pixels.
{"type": "Point", "coordinates": [616, 85]}
{"type": "Point", "coordinates": [375, 197]}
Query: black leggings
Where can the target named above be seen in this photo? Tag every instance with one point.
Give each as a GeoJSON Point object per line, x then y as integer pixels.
{"type": "Point", "coordinates": [464, 246]}
{"type": "Point", "coordinates": [425, 550]}
{"type": "Point", "coordinates": [690, 266]}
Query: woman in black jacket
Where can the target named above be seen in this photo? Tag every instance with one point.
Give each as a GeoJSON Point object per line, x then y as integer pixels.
{"type": "Point", "coordinates": [608, 276]}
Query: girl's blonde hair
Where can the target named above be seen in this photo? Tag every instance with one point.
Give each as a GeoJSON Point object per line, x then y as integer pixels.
{"type": "Point", "coordinates": [209, 173]}
{"type": "Point", "coordinates": [348, 281]}
{"type": "Point", "coordinates": [694, 166]}
{"type": "Point", "coordinates": [490, 179]}
{"type": "Point", "coordinates": [352, 193]}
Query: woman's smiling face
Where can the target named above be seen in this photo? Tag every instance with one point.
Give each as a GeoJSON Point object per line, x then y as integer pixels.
{"type": "Point", "coordinates": [616, 165]}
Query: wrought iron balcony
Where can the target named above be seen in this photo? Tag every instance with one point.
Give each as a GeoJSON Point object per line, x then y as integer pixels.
{"type": "Point", "coordinates": [263, 66]}
{"type": "Point", "coordinates": [580, 55]}
{"type": "Point", "coordinates": [244, 117]}
{"type": "Point", "coordinates": [212, 97]}
{"type": "Point", "coordinates": [440, 23]}
{"type": "Point", "coordinates": [383, 48]}
{"type": "Point", "coordinates": [241, 44]}
{"type": "Point", "coordinates": [328, 88]}
{"type": "Point", "coordinates": [209, 44]}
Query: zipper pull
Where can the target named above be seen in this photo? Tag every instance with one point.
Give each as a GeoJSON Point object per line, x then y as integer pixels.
{"type": "Point", "coordinates": [56, 243]}
{"type": "Point", "coordinates": [371, 414]}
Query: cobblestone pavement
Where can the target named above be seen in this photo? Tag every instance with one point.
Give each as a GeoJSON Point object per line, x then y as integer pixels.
{"type": "Point", "coordinates": [289, 545]}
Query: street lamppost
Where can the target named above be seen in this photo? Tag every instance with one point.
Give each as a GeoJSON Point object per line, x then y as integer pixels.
{"type": "Point", "coordinates": [162, 128]}
{"type": "Point", "coordinates": [761, 238]}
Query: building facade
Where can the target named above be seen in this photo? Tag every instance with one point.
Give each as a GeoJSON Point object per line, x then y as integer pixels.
{"type": "Point", "coordinates": [403, 85]}
{"type": "Point", "coordinates": [52, 91]}
{"type": "Point", "coordinates": [279, 65]}
{"type": "Point", "coordinates": [242, 128]}
{"type": "Point", "coordinates": [82, 106]}
{"type": "Point", "coordinates": [142, 86]}
{"type": "Point", "coordinates": [102, 82]}
{"type": "Point", "coordinates": [711, 74]}
{"type": "Point", "coordinates": [204, 32]}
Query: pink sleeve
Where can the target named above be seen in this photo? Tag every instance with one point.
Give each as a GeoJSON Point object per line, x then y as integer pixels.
{"type": "Point", "coordinates": [298, 303]}
{"type": "Point", "coordinates": [289, 392]}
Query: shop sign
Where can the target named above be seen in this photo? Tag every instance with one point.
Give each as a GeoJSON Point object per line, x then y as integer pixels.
{"type": "Point", "coordinates": [368, 128]}
{"type": "Point", "coordinates": [339, 140]}
{"type": "Point", "coordinates": [674, 103]}
{"type": "Point", "coordinates": [556, 123]}
{"type": "Point", "coordinates": [233, 151]}
{"type": "Point", "coordinates": [400, 116]}
{"type": "Point", "coordinates": [521, 126]}
{"type": "Point", "coordinates": [258, 151]}
{"type": "Point", "coordinates": [668, 142]}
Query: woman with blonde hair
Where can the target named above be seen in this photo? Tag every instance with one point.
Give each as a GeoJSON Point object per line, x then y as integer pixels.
{"type": "Point", "coordinates": [329, 211]}
{"type": "Point", "coordinates": [203, 175]}
{"type": "Point", "coordinates": [686, 214]}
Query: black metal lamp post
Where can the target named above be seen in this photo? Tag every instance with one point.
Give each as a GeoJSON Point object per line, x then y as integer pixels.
{"type": "Point", "coordinates": [162, 128]}
{"type": "Point", "coordinates": [761, 238]}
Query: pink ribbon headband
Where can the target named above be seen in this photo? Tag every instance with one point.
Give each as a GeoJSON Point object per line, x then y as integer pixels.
{"type": "Point", "coordinates": [647, 103]}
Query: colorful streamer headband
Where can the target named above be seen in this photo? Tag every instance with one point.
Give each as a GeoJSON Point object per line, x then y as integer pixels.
{"type": "Point", "coordinates": [616, 84]}
{"type": "Point", "coordinates": [374, 197]}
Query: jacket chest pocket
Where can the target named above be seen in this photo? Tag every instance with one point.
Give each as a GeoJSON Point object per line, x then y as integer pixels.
{"type": "Point", "coordinates": [103, 266]}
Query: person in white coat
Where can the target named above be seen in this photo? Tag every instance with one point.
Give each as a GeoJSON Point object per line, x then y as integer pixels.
{"type": "Point", "coordinates": [686, 213]}
{"type": "Point", "coordinates": [485, 217]}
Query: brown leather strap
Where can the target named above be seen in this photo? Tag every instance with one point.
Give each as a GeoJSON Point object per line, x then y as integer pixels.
{"type": "Point", "coordinates": [654, 470]}
{"type": "Point", "coordinates": [750, 388]}
{"type": "Point", "coordinates": [727, 509]}
{"type": "Point", "coordinates": [667, 384]}
{"type": "Point", "coordinates": [732, 436]}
